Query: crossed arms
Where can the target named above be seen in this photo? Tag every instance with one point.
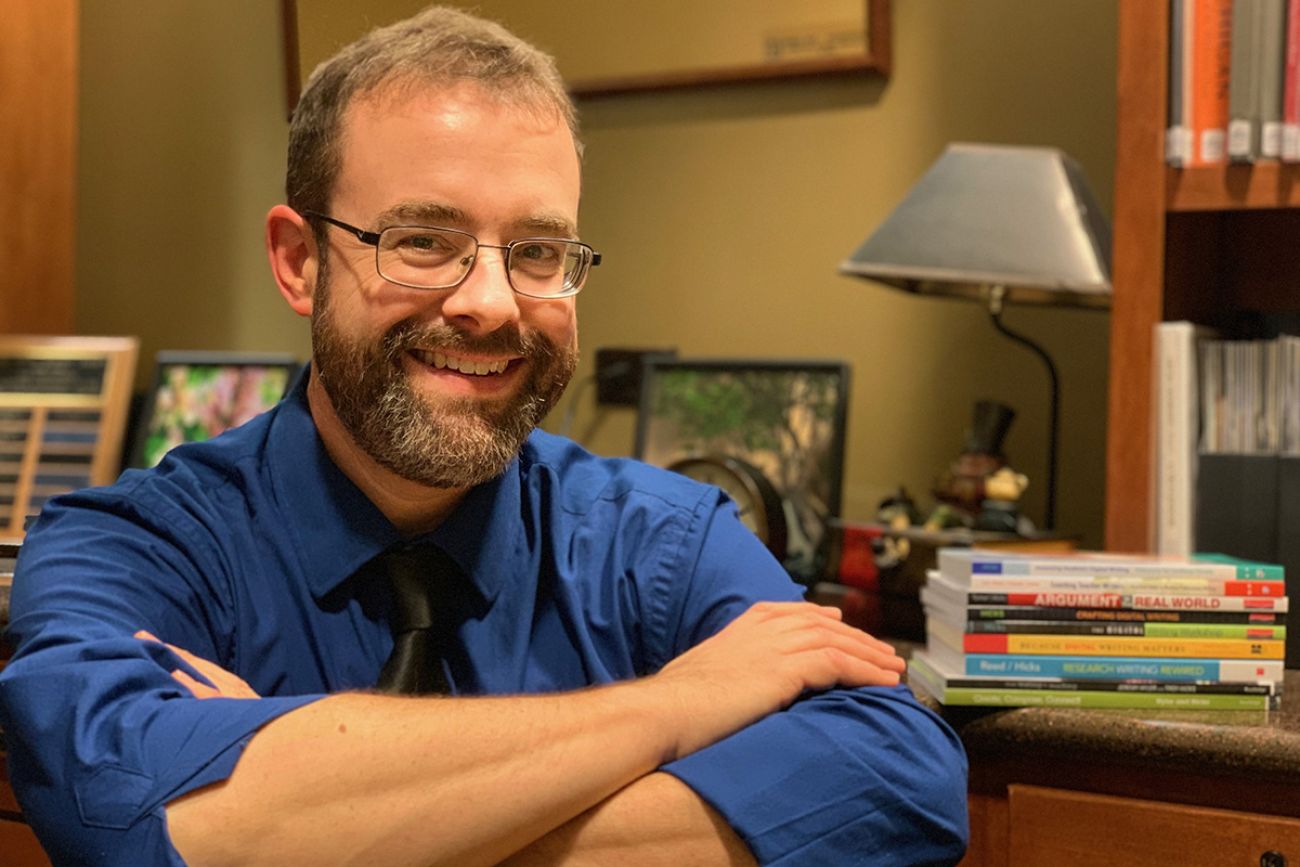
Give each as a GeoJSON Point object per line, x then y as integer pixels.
{"type": "Point", "coordinates": [564, 777]}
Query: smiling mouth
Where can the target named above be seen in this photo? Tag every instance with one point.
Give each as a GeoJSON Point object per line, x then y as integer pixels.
{"type": "Point", "coordinates": [467, 366]}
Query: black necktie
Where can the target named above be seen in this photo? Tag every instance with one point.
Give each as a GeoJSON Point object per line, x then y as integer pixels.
{"type": "Point", "coordinates": [420, 578]}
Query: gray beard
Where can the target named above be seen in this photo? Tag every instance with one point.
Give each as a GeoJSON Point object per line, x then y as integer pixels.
{"type": "Point", "coordinates": [450, 444]}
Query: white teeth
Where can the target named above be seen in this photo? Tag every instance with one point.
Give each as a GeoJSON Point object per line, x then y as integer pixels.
{"type": "Point", "coordinates": [440, 361]}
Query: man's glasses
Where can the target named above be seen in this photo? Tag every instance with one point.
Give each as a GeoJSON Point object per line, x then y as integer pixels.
{"type": "Point", "coordinates": [424, 257]}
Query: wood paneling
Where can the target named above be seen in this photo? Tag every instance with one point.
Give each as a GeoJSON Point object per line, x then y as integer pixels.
{"type": "Point", "coordinates": [38, 96]}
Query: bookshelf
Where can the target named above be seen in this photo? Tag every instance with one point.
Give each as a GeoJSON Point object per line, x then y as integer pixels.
{"type": "Point", "coordinates": [1214, 245]}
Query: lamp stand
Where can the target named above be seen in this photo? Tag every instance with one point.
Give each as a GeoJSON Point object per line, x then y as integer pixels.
{"type": "Point", "coordinates": [995, 295]}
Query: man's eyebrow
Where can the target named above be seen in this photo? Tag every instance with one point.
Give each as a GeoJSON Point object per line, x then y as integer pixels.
{"type": "Point", "coordinates": [421, 214]}
{"type": "Point", "coordinates": [438, 214]}
{"type": "Point", "coordinates": [547, 226]}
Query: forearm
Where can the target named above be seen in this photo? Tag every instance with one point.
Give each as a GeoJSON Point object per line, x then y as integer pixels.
{"type": "Point", "coordinates": [374, 779]}
{"type": "Point", "coordinates": [656, 821]}
{"type": "Point", "coordinates": [466, 781]}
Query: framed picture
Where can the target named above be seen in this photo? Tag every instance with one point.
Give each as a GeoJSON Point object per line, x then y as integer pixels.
{"type": "Point", "coordinates": [636, 45]}
{"type": "Point", "coordinates": [64, 403]}
{"type": "Point", "coordinates": [197, 395]}
{"type": "Point", "coordinates": [721, 420]}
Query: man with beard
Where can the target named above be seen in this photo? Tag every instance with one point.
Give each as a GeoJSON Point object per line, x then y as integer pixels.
{"type": "Point", "coordinates": [631, 678]}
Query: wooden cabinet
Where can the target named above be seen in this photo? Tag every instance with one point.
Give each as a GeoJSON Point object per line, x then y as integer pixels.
{"type": "Point", "coordinates": [1074, 829]}
{"type": "Point", "coordinates": [1215, 245]}
{"type": "Point", "coordinates": [18, 845]}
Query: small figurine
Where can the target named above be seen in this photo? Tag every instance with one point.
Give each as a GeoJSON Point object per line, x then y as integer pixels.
{"type": "Point", "coordinates": [962, 485]}
{"type": "Point", "coordinates": [1002, 490]}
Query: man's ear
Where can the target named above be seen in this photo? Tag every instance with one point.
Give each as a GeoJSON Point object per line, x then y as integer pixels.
{"type": "Point", "coordinates": [291, 247]}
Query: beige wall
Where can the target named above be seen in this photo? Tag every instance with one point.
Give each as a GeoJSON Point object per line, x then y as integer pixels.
{"type": "Point", "coordinates": [182, 139]}
{"type": "Point", "coordinates": [723, 214]}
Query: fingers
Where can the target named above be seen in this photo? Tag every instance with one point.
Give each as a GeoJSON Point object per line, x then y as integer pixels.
{"type": "Point", "coordinates": [802, 626]}
{"type": "Point", "coordinates": [221, 683]}
{"type": "Point", "coordinates": [200, 690]}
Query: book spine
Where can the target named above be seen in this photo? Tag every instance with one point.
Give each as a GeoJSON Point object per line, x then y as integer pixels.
{"type": "Point", "coordinates": [1121, 615]}
{"type": "Point", "coordinates": [1212, 60]}
{"type": "Point", "coordinates": [1122, 668]}
{"type": "Point", "coordinates": [1178, 135]}
{"type": "Point", "coordinates": [920, 665]}
{"type": "Point", "coordinates": [1192, 648]}
{"type": "Point", "coordinates": [1147, 630]}
{"type": "Point", "coordinates": [1291, 86]}
{"type": "Point", "coordinates": [1132, 584]}
{"type": "Point", "coordinates": [1243, 87]}
{"type": "Point", "coordinates": [960, 565]}
{"type": "Point", "coordinates": [1161, 601]}
{"type": "Point", "coordinates": [960, 696]}
{"type": "Point", "coordinates": [1176, 415]}
{"type": "Point", "coordinates": [1272, 63]}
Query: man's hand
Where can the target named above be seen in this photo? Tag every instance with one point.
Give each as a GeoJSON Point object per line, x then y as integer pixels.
{"type": "Point", "coordinates": [221, 683]}
{"type": "Point", "coordinates": [762, 661]}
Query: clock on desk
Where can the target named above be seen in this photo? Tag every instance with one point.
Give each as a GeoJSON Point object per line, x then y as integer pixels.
{"type": "Point", "coordinates": [761, 507]}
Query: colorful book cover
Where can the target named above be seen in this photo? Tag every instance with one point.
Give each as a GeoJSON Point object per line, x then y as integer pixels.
{"type": "Point", "coordinates": [963, 564]}
{"type": "Point", "coordinates": [1159, 669]}
{"type": "Point", "coordinates": [1126, 584]}
{"type": "Point", "coordinates": [1239, 632]}
{"type": "Point", "coordinates": [1042, 692]}
{"type": "Point", "coordinates": [1100, 645]}
{"type": "Point", "coordinates": [961, 595]}
{"type": "Point", "coordinates": [1118, 615]}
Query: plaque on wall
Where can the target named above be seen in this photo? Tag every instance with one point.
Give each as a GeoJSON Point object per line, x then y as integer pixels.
{"type": "Point", "coordinates": [63, 409]}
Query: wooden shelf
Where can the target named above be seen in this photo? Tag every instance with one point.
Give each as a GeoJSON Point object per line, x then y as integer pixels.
{"type": "Point", "coordinates": [1214, 245]}
{"type": "Point", "coordinates": [1234, 187]}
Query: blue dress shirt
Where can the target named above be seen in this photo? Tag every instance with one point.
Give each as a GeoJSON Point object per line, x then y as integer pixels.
{"type": "Point", "coordinates": [587, 570]}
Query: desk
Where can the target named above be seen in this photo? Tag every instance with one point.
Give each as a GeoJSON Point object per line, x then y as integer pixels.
{"type": "Point", "coordinates": [1065, 787]}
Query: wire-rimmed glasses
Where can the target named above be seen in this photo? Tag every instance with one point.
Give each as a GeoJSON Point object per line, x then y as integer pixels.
{"type": "Point", "coordinates": [429, 257]}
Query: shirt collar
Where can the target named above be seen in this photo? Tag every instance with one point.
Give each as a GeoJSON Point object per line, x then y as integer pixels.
{"type": "Point", "coordinates": [336, 528]}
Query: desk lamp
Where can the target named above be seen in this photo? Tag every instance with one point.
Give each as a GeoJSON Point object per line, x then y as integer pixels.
{"type": "Point", "coordinates": [1000, 225]}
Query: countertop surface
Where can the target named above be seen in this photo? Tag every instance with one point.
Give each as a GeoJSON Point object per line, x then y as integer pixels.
{"type": "Point", "coordinates": [1255, 744]}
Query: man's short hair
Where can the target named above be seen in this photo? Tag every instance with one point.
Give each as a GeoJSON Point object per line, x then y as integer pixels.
{"type": "Point", "coordinates": [439, 46]}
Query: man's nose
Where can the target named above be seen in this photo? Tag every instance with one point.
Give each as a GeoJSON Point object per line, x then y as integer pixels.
{"type": "Point", "coordinates": [484, 301]}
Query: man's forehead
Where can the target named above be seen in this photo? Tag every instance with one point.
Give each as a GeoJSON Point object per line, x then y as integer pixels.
{"type": "Point", "coordinates": [413, 96]}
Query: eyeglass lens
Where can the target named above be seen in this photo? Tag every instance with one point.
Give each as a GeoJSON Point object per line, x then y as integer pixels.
{"type": "Point", "coordinates": [436, 258]}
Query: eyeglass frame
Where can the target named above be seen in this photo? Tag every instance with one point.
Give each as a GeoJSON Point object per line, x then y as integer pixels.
{"type": "Point", "coordinates": [372, 239]}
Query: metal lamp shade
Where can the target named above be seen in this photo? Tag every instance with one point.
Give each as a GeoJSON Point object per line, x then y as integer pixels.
{"type": "Point", "coordinates": [1022, 218]}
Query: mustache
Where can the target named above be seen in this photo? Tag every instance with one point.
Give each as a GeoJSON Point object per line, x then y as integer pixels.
{"type": "Point", "coordinates": [409, 334]}
{"type": "Point", "coordinates": [507, 339]}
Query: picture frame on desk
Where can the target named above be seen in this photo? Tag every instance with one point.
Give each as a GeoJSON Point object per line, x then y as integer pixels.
{"type": "Point", "coordinates": [785, 419]}
{"type": "Point", "coordinates": [197, 395]}
{"type": "Point", "coordinates": [64, 403]}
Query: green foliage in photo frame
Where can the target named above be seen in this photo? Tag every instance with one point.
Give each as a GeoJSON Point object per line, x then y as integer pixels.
{"type": "Point", "coordinates": [759, 410]}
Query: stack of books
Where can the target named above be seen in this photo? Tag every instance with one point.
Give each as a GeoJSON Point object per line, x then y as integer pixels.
{"type": "Point", "coordinates": [1102, 630]}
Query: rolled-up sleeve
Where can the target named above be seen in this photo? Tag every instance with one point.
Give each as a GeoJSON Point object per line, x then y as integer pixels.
{"type": "Point", "coordinates": [861, 776]}
{"type": "Point", "coordinates": [99, 735]}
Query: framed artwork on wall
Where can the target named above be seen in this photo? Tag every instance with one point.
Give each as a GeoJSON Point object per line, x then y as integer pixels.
{"type": "Point", "coordinates": [637, 45]}
{"type": "Point", "coordinates": [769, 433]}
